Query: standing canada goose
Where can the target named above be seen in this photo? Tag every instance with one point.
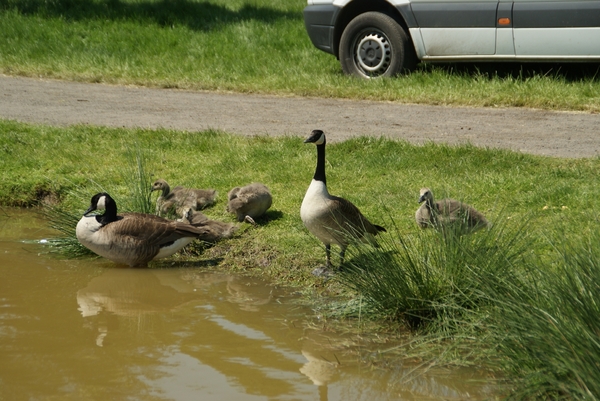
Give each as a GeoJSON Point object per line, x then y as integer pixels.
{"type": "Point", "coordinates": [446, 212]}
{"type": "Point", "coordinates": [249, 202]}
{"type": "Point", "coordinates": [216, 230]}
{"type": "Point", "coordinates": [331, 219]}
{"type": "Point", "coordinates": [179, 199]}
{"type": "Point", "coordinates": [133, 239]}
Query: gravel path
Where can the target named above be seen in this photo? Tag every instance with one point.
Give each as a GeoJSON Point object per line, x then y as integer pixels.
{"type": "Point", "coordinates": [61, 103]}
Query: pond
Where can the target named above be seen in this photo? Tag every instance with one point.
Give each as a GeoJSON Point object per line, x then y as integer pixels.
{"type": "Point", "coordinates": [85, 329]}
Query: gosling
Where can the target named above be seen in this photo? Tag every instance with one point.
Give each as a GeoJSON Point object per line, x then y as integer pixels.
{"type": "Point", "coordinates": [249, 202]}
{"type": "Point", "coordinates": [216, 230]}
{"type": "Point", "coordinates": [179, 199]}
{"type": "Point", "coordinates": [448, 212]}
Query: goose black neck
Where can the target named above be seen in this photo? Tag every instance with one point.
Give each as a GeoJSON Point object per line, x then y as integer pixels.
{"type": "Point", "coordinates": [320, 170]}
{"type": "Point", "coordinates": [110, 212]}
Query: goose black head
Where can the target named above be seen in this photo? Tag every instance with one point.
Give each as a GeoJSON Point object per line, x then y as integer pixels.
{"type": "Point", "coordinates": [317, 137]}
{"type": "Point", "coordinates": [100, 201]}
{"type": "Point", "coordinates": [425, 194]}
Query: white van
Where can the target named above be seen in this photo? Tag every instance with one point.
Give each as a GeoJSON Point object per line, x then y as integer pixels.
{"type": "Point", "coordinates": [373, 38]}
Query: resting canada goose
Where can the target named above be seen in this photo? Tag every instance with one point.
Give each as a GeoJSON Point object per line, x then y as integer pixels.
{"type": "Point", "coordinates": [216, 230]}
{"type": "Point", "coordinates": [442, 213]}
{"type": "Point", "coordinates": [332, 219]}
{"type": "Point", "coordinates": [179, 199]}
{"type": "Point", "coordinates": [133, 239]}
{"type": "Point", "coordinates": [249, 202]}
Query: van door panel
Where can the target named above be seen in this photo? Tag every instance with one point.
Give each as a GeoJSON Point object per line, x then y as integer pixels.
{"type": "Point", "coordinates": [547, 28]}
{"type": "Point", "coordinates": [456, 27]}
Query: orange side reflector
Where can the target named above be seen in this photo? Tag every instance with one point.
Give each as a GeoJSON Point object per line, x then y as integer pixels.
{"type": "Point", "coordinates": [504, 21]}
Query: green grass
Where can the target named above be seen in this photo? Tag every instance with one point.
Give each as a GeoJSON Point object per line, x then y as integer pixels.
{"type": "Point", "coordinates": [428, 276]}
{"type": "Point", "coordinates": [545, 325]}
{"type": "Point", "coordinates": [498, 299]}
{"type": "Point", "coordinates": [383, 177]}
{"type": "Point", "coordinates": [254, 47]}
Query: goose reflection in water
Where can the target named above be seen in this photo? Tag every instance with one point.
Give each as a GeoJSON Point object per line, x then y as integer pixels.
{"type": "Point", "coordinates": [134, 292]}
{"type": "Point", "coordinates": [229, 334]}
{"type": "Point", "coordinates": [138, 292]}
{"type": "Point", "coordinates": [228, 324]}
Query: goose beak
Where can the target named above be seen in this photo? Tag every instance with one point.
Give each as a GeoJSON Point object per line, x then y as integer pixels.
{"type": "Point", "coordinates": [421, 198]}
{"type": "Point", "coordinates": [90, 209]}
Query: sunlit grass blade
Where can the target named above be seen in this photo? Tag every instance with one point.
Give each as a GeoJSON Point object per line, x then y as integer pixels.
{"type": "Point", "coordinates": [140, 182]}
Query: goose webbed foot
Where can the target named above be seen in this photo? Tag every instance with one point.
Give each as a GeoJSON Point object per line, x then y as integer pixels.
{"type": "Point", "coordinates": [328, 270]}
{"type": "Point", "coordinates": [249, 220]}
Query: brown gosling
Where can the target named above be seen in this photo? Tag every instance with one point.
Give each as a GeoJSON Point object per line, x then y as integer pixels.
{"type": "Point", "coordinates": [332, 219]}
{"type": "Point", "coordinates": [448, 212]}
{"type": "Point", "coordinates": [249, 202]}
{"type": "Point", "coordinates": [179, 199]}
{"type": "Point", "coordinates": [216, 230]}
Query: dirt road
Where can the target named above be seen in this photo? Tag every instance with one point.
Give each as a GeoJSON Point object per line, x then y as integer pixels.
{"type": "Point", "coordinates": [65, 103]}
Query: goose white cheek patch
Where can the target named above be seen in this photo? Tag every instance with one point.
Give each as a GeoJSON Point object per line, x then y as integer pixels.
{"type": "Point", "coordinates": [101, 203]}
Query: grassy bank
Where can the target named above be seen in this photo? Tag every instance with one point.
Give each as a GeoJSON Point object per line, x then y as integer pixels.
{"type": "Point", "coordinates": [382, 176]}
{"type": "Point", "coordinates": [497, 298]}
{"type": "Point", "coordinates": [254, 46]}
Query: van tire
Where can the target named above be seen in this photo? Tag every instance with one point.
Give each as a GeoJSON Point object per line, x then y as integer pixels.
{"type": "Point", "coordinates": [375, 45]}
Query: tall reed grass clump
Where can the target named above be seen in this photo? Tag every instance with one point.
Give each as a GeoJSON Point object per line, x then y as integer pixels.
{"type": "Point", "coordinates": [497, 298]}
{"type": "Point", "coordinates": [427, 276]}
{"type": "Point", "coordinates": [545, 327]}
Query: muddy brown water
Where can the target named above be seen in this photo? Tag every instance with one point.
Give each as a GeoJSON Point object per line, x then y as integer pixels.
{"type": "Point", "coordinates": [87, 330]}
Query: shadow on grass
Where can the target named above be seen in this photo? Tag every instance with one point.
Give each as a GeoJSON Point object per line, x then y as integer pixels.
{"type": "Point", "coordinates": [200, 16]}
{"type": "Point", "coordinates": [575, 71]}
{"type": "Point", "coordinates": [270, 215]}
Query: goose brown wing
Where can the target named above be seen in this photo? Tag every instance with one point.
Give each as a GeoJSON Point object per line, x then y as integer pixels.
{"type": "Point", "coordinates": [475, 218]}
{"type": "Point", "coordinates": [151, 229]}
{"type": "Point", "coordinates": [215, 230]}
{"type": "Point", "coordinates": [346, 211]}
